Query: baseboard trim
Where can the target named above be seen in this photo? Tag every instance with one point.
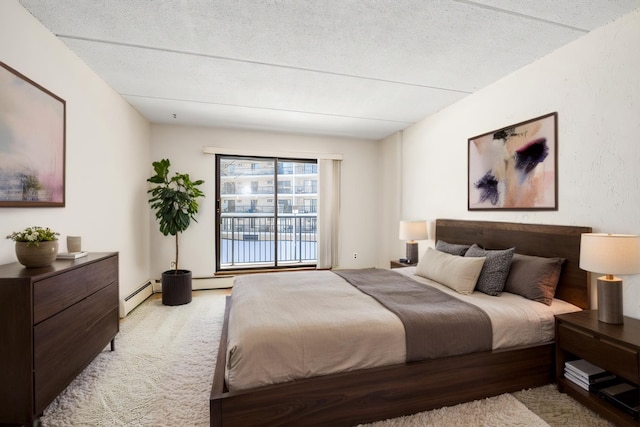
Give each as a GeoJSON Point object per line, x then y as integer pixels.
{"type": "Point", "coordinates": [202, 283]}
{"type": "Point", "coordinates": [135, 298]}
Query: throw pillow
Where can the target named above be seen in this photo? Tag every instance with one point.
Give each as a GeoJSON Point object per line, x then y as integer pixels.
{"type": "Point", "coordinates": [534, 278]}
{"type": "Point", "coordinates": [451, 248]}
{"type": "Point", "coordinates": [455, 272]}
{"type": "Point", "coordinates": [495, 269]}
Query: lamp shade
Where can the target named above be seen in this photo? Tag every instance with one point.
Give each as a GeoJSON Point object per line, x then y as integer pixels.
{"type": "Point", "coordinates": [610, 253]}
{"type": "Point", "coordinates": [413, 230]}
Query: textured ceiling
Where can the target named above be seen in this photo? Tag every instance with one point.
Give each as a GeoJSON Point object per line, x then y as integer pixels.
{"type": "Point", "coordinates": [331, 67]}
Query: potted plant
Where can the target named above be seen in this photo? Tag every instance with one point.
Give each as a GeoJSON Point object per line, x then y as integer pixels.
{"type": "Point", "coordinates": [175, 201]}
{"type": "Point", "coordinates": [35, 246]}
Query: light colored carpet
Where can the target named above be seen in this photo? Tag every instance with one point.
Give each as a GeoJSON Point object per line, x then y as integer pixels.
{"type": "Point", "coordinates": [558, 409]}
{"type": "Point", "coordinates": [503, 410]}
{"type": "Point", "coordinates": [161, 373]}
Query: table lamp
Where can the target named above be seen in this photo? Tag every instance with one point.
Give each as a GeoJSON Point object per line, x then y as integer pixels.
{"type": "Point", "coordinates": [412, 231]}
{"type": "Point", "coordinates": [610, 254]}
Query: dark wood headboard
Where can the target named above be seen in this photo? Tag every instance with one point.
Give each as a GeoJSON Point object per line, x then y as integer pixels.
{"type": "Point", "coordinates": [529, 239]}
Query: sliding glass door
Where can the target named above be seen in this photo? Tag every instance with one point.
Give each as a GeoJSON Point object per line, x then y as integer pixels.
{"type": "Point", "coordinates": [266, 212]}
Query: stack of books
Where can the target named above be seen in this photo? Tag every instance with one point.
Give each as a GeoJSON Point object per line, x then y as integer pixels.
{"type": "Point", "coordinates": [585, 374]}
{"type": "Point", "coordinates": [624, 395]}
{"type": "Point", "coordinates": [604, 384]}
{"type": "Point", "coordinates": [71, 255]}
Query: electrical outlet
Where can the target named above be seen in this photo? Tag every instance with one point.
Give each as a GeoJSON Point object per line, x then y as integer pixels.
{"type": "Point", "coordinates": [355, 255]}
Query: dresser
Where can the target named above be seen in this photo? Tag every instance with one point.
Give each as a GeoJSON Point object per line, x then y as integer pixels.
{"type": "Point", "coordinates": [53, 322]}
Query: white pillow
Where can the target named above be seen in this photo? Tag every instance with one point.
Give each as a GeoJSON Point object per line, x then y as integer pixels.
{"type": "Point", "coordinates": [453, 271]}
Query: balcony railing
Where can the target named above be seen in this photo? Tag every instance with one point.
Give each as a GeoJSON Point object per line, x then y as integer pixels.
{"type": "Point", "coordinates": [268, 189]}
{"type": "Point", "coordinates": [251, 240]}
{"type": "Point", "coordinates": [269, 209]}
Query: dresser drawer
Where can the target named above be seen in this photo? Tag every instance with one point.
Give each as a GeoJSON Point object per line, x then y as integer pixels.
{"type": "Point", "coordinates": [100, 303]}
{"type": "Point", "coordinates": [56, 335]}
{"type": "Point", "coordinates": [66, 342]}
{"type": "Point", "coordinates": [601, 352]}
{"type": "Point", "coordinates": [66, 330]}
{"type": "Point", "coordinates": [101, 273]}
{"type": "Point", "coordinates": [56, 293]}
{"type": "Point", "coordinates": [57, 342]}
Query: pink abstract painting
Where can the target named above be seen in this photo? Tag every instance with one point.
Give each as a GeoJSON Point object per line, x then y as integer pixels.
{"type": "Point", "coordinates": [32, 143]}
{"type": "Point", "coordinates": [515, 167]}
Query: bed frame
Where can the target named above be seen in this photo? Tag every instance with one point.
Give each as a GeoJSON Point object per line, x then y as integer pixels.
{"type": "Point", "coordinates": [362, 396]}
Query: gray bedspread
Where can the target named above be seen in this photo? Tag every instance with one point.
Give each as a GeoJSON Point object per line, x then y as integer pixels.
{"type": "Point", "coordinates": [436, 324]}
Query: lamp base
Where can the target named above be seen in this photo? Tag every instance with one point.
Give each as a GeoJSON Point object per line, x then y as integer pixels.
{"type": "Point", "coordinates": [412, 252]}
{"type": "Point", "coordinates": [610, 301]}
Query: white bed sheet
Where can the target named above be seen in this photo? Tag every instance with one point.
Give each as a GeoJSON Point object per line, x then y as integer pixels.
{"type": "Point", "coordinates": [515, 320]}
{"type": "Point", "coordinates": [292, 325]}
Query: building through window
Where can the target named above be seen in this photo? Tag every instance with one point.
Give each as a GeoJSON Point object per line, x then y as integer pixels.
{"type": "Point", "coordinates": [262, 225]}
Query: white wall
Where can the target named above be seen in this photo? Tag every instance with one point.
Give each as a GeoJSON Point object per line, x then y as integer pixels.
{"type": "Point", "coordinates": [183, 147]}
{"type": "Point", "coordinates": [594, 85]}
{"type": "Point", "coordinates": [106, 144]}
{"type": "Point", "coordinates": [390, 199]}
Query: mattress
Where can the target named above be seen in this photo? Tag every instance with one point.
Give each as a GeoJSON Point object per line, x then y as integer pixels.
{"type": "Point", "coordinates": [292, 325]}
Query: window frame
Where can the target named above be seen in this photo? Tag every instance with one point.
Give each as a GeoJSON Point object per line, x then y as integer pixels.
{"type": "Point", "coordinates": [289, 164]}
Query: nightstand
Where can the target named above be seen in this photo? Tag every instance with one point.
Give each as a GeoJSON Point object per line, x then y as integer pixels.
{"type": "Point", "coordinates": [394, 263]}
{"type": "Point", "coordinates": [615, 348]}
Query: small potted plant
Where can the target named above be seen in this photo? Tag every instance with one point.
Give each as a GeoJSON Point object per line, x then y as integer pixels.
{"type": "Point", "coordinates": [35, 246]}
{"type": "Point", "coordinates": [175, 201]}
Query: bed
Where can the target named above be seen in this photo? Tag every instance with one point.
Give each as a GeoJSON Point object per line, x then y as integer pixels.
{"type": "Point", "coordinates": [376, 393]}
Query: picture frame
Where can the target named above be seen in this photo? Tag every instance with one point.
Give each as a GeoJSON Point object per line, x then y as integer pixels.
{"type": "Point", "coordinates": [515, 167]}
{"type": "Point", "coordinates": [32, 143]}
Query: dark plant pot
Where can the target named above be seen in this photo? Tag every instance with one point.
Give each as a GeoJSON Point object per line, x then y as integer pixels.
{"type": "Point", "coordinates": [176, 287]}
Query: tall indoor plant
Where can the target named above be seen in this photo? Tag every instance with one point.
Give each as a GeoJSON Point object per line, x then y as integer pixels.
{"type": "Point", "coordinates": [175, 201]}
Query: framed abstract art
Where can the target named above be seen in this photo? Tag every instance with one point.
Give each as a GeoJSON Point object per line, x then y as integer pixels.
{"type": "Point", "coordinates": [515, 168]}
{"type": "Point", "coordinates": [32, 143]}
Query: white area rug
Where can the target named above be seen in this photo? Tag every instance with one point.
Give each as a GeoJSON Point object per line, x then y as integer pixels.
{"type": "Point", "coordinates": [159, 375]}
{"type": "Point", "coordinates": [503, 410]}
{"type": "Point", "coordinates": [162, 369]}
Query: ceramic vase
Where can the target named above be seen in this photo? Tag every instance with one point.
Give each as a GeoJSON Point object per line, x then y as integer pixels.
{"type": "Point", "coordinates": [33, 256]}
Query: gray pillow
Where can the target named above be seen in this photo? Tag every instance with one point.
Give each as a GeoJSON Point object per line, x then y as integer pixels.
{"type": "Point", "coordinates": [534, 278]}
{"type": "Point", "coordinates": [451, 248]}
{"type": "Point", "coordinates": [495, 269]}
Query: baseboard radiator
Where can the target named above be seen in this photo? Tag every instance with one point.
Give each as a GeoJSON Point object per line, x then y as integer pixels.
{"type": "Point", "coordinates": [202, 283]}
{"type": "Point", "coordinates": [135, 298]}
